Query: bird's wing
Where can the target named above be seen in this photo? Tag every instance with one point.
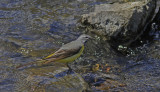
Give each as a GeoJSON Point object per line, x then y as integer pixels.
{"type": "Point", "coordinates": [63, 53]}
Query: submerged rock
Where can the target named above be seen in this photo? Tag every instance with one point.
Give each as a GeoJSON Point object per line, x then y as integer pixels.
{"type": "Point", "coordinates": [120, 23]}
{"type": "Point", "coordinates": [50, 79]}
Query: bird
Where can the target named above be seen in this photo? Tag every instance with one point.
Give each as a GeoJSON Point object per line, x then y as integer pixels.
{"type": "Point", "coordinates": [65, 54]}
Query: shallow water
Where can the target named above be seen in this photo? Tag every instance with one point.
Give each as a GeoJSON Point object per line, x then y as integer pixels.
{"type": "Point", "coordinates": [33, 29]}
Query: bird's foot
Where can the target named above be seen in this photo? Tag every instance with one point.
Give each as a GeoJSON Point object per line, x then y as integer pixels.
{"type": "Point", "coordinates": [70, 71]}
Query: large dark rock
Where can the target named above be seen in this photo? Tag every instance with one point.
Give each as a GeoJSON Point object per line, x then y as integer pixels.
{"type": "Point", "coordinates": [120, 23]}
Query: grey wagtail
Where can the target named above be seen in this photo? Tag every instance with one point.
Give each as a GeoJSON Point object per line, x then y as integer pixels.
{"type": "Point", "coordinates": [67, 53]}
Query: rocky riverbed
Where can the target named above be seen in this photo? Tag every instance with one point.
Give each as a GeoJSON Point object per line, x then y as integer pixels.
{"type": "Point", "coordinates": [124, 55]}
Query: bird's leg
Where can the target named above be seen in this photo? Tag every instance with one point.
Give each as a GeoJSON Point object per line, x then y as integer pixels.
{"type": "Point", "coordinates": [69, 67]}
{"type": "Point", "coordinates": [69, 70]}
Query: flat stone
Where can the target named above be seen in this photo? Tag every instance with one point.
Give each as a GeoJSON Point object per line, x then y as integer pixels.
{"type": "Point", "coordinates": [50, 79]}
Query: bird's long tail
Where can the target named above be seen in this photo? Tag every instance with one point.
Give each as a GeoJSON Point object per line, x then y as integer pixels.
{"type": "Point", "coordinates": [34, 63]}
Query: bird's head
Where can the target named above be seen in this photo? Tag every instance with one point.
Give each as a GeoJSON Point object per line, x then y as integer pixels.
{"type": "Point", "coordinates": [83, 38]}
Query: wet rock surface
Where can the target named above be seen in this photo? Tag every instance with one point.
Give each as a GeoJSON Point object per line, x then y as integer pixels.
{"type": "Point", "coordinates": [50, 78]}
{"type": "Point", "coordinates": [122, 23]}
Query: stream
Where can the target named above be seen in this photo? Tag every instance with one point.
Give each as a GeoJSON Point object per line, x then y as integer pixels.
{"type": "Point", "coordinates": [33, 29]}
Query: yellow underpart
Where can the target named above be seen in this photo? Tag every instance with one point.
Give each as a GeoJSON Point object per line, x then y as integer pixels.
{"type": "Point", "coordinates": [72, 58]}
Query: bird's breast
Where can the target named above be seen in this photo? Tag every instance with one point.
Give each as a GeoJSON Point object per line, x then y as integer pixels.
{"type": "Point", "coordinates": [73, 57]}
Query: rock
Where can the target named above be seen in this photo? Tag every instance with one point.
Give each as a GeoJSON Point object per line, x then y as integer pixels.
{"type": "Point", "coordinates": [120, 23]}
{"type": "Point", "coordinates": [104, 82]}
{"type": "Point", "coordinates": [111, 86]}
{"type": "Point", "coordinates": [50, 79]}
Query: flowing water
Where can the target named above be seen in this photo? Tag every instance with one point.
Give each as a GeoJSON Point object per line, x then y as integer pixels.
{"type": "Point", "coordinates": [33, 29]}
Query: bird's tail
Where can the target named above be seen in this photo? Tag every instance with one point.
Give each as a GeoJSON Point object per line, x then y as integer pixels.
{"type": "Point", "coordinates": [34, 63]}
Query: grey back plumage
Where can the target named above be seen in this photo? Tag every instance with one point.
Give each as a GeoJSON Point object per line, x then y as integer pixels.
{"type": "Point", "coordinates": [76, 44]}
